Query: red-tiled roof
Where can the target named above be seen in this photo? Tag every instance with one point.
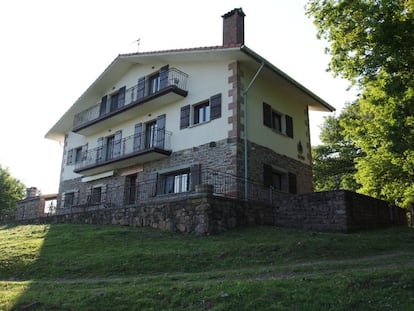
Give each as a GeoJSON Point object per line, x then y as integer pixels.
{"type": "Point", "coordinates": [203, 48]}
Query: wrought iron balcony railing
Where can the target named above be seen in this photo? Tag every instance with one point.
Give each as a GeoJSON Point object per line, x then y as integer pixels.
{"type": "Point", "coordinates": [117, 151]}
{"type": "Point", "coordinates": [148, 87]}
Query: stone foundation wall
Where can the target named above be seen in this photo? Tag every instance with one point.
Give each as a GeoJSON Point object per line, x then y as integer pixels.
{"type": "Point", "coordinates": [259, 155]}
{"type": "Point", "coordinates": [201, 213]}
{"type": "Point", "coordinates": [337, 211]}
{"type": "Point", "coordinates": [31, 208]}
{"type": "Point", "coordinates": [196, 213]}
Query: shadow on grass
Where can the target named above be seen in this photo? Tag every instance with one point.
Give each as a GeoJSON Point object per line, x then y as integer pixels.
{"type": "Point", "coordinates": [78, 267]}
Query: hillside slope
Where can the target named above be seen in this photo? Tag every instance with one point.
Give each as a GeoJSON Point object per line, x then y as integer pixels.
{"type": "Point", "coordinates": [85, 267]}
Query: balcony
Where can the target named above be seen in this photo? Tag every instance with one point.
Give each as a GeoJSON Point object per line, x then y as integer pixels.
{"type": "Point", "coordinates": [131, 150]}
{"type": "Point", "coordinates": [151, 92]}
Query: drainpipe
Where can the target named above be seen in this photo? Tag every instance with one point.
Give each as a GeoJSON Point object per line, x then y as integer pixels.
{"type": "Point", "coordinates": [244, 95]}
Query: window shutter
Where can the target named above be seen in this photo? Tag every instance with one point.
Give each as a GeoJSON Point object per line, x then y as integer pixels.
{"type": "Point", "coordinates": [195, 172]}
{"type": "Point", "coordinates": [185, 117]}
{"type": "Point", "coordinates": [117, 143]}
{"type": "Point", "coordinates": [292, 183]}
{"type": "Point", "coordinates": [99, 149]}
{"type": "Point", "coordinates": [138, 137]}
{"type": "Point", "coordinates": [141, 88]}
{"type": "Point", "coordinates": [69, 159]}
{"type": "Point", "coordinates": [289, 126]}
{"type": "Point", "coordinates": [163, 77]}
{"type": "Point", "coordinates": [121, 97]}
{"type": "Point", "coordinates": [267, 115]}
{"type": "Point", "coordinates": [215, 106]}
{"type": "Point", "coordinates": [102, 105]}
{"type": "Point", "coordinates": [160, 135]}
{"type": "Point", "coordinates": [267, 175]}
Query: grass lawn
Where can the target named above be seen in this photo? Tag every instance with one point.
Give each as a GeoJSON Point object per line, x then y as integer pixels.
{"type": "Point", "coordinates": [86, 267]}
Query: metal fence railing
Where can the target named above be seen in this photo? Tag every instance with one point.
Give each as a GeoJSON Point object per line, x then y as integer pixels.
{"type": "Point", "coordinates": [172, 78]}
{"type": "Point", "coordinates": [223, 185]}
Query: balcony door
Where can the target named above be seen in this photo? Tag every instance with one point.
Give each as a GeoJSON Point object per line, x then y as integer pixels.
{"type": "Point", "coordinates": [151, 134]}
{"type": "Point", "coordinates": [110, 144]}
{"type": "Point", "coordinates": [159, 80]}
{"type": "Point", "coordinates": [109, 147]}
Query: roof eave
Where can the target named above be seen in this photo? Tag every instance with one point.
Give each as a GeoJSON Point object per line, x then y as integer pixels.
{"type": "Point", "coordinates": [324, 105]}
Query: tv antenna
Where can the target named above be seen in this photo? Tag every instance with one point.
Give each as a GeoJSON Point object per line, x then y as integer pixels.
{"type": "Point", "coordinates": [137, 42]}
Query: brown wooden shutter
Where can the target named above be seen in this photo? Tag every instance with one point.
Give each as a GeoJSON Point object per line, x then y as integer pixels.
{"type": "Point", "coordinates": [121, 97]}
{"type": "Point", "coordinates": [289, 126]}
{"type": "Point", "coordinates": [185, 117]}
{"type": "Point", "coordinates": [195, 171]}
{"type": "Point", "coordinates": [141, 88]}
{"type": "Point", "coordinates": [85, 152]}
{"type": "Point", "coordinates": [215, 106]}
{"type": "Point", "coordinates": [117, 143]}
{"type": "Point", "coordinates": [69, 159]}
{"type": "Point", "coordinates": [99, 149]}
{"type": "Point", "coordinates": [102, 106]}
{"type": "Point", "coordinates": [267, 115]}
{"type": "Point", "coordinates": [267, 175]}
{"type": "Point", "coordinates": [292, 183]}
{"type": "Point", "coordinates": [138, 137]}
{"type": "Point", "coordinates": [163, 77]}
{"type": "Point", "coordinates": [160, 131]}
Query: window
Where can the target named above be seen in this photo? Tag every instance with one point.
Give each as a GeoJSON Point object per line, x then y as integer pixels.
{"type": "Point", "coordinates": [96, 195]}
{"type": "Point", "coordinates": [177, 182]}
{"type": "Point", "coordinates": [110, 143]}
{"type": "Point", "coordinates": [117, 99]}
{"type": "Point", "coordinates": [277, 121]}
{"type": "Point", "coordinates": [78, 154]}
{"type": "Point", "coordinates": [131, 189]}
{"type": "Point", "coordinates": [69, 199]}
{"type": "Point", "coordinates": [114, 101]}
{"type": "Point", "coordinates": [154, 83]}
{"type": "Point", "coordinates": [159, 80]}
{"type": "Point", "coordinates": [276, 180]}
{"type": "Point", "coordinates": [109, 147]}
{"type": "Point", "coordinates": [279, 179]}
{"type": "Point", "coordinates": [202, 113]}
{"type": "Point", "coordinates": [180, 180]}
{"type": "Point", "coordinates": [150, 134]}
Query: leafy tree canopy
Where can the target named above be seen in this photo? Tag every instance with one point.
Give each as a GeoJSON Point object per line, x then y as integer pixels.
{"type": "Point", "coordinates": [334, 161]}
{"type": "Point", "coordinates": [11, 190]}
{"type": "Point", "coordinates": [366, 37]}
{"type": "Point", "coordinates": [371, 43]}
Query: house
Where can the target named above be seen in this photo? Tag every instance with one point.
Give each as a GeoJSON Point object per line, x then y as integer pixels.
{"type": "Point", "coordinates": [158, 124]}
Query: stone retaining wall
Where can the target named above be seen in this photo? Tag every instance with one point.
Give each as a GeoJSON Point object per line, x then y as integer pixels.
{"type": "Point", "coordinates": [337, 211]}
{"type": "Point", "coordinates": [201, 213]}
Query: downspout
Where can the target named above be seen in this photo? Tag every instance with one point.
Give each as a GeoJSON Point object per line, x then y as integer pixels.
{"type": "Point", "coordinates": [244, 95]}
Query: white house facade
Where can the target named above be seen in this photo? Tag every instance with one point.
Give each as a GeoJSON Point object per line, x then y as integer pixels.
{"type": "Point", "coordinates": [161, 123]}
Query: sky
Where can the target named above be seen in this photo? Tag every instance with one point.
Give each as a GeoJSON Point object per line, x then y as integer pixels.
{"type": "Point", "coordinates": [52, 50]}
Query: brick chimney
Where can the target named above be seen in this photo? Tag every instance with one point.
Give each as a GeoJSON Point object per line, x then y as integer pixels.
{"type": "Point", "coordinates": [31, 192]}
{"type": "Point", "coordinates": [233, 27]}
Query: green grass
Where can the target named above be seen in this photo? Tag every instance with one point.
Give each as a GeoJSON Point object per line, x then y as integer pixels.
{"type": "Point", "coordinates": [86, 267]}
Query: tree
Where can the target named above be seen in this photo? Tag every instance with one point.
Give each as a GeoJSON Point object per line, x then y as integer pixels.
{"type": "Point", "coordinates": [11, 190]}
{"type": "Point", "coordinates": [366, 37]}
{"type": "Point", "coordinates": [371, 43]}
{"type": "Point", "coordinates": [334, 160]}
